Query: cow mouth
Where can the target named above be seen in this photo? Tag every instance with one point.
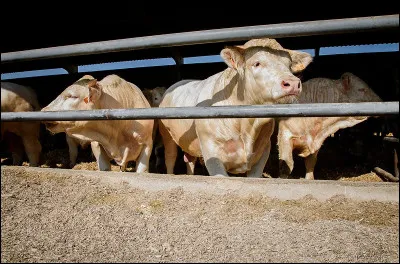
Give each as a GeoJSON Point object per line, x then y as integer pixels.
{"type": "Point", "coordinates": [288, 99]}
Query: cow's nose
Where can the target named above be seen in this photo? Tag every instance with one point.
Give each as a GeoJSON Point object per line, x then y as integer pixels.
{"type": "Point", "coordinates": [291, 85]}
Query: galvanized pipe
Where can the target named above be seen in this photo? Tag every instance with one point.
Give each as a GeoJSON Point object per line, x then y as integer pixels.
{"type": "Point", "coordinates": [391, 139]}
{"type": "Point", "coordinates": [294, 29]}
{"type": "Point", "coordinates": [278, 110]}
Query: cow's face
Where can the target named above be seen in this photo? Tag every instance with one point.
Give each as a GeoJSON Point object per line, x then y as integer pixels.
{"type": "Point", "coordinates": [82, 95]}
{"type": "Point", "coordinates": [268, 73]}
{"type": "Point", "coordinates": [357, 90]}
{"type": "Point", "coordinates": [156, 95]}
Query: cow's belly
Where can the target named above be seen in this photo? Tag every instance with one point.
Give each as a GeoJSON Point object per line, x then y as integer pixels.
{"type": "Point", "coordinates": [184, 134]}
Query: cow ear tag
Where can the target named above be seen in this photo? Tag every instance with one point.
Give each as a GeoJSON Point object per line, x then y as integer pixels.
{"type": "Point", "coordinates": [86, 99]}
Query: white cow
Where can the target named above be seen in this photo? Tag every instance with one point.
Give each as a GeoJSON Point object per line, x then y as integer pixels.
{"type": "Point", "coordinates": [305, 135]}
{"type": "Point", "coordinates": [19, 98]}
{"type": "Point", "coordinates": [259, 72]}
{"type": "Point", "coordinates": [121, 140]}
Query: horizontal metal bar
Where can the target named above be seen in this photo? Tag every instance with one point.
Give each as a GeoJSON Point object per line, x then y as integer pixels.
{"type": "Point", "coordinates": [278, 110]}
{"type": "Point", "coordinates": [308, 28]}
{"type": "Point", "coordinates": [391, 139]}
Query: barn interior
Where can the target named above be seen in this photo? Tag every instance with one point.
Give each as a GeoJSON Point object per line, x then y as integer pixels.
{"type": "Point", "coordinates": [361, 147]}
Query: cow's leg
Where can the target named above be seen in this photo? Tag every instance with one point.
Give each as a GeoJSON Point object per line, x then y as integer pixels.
{"type": "Point", "coordinates": [310, 162]}
{"type": "Point", "coordinates": [15, 146]}
{"type": "Point", "coordinates": [16, 149]}
{"type": "Point", "coordinates": [190, 167]}
{"type": "Point", "coordinates": [190, 163]}
{"type": "Point", "coordinates": [214, 165]}
{"type": "Point", "coordinates": [32, 149]}
{"type": "Point", "coordinates": [103, 161]}
{"type": "Point", "coordinates": [286, 162]}
{"type": "Point", "coordinates": [17, 156]}
{"type": "Point", "coordinates": [170, 149]}
{"type": "Point", "coordinates": [262, 143]}
{"type": "Point", "coordinates": [142, 164]}
{"type": "Point", "coordinates": [72, 149]}
{"type": "Point", "coordinates": [257, 170]}
{"type": "Point", "coordinates": [159, 153]}
{"type": "Point", "coordinates": [123, 167]}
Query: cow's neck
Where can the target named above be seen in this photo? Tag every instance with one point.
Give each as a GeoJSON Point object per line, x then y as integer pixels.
{"type": "Point", "coordinates": [230, 89]}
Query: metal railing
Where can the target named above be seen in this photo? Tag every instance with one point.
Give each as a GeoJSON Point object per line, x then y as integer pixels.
{"type": "Point", "coordinates": [276, 110]}
{"type": "Point", "coordinates": [294, 29]}
{"type": "Point", "coordinates": [208, 36]}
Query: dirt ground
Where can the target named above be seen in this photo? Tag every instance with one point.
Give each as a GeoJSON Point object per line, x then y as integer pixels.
{"type": "Point", "coordinates": [52, 215]}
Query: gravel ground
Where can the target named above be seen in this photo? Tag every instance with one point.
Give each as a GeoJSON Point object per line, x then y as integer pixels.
{"type": "Point", "coordinates": [52, 215]}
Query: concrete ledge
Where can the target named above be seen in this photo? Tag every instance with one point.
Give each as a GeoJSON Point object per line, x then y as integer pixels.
{"type": "Point", "coordinates": [284, 189]}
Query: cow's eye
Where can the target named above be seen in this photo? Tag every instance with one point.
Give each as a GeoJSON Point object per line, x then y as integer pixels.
{"type": "Point", "coordinates": [71, 96]}
{"type": "Point", "coordinates": [256, 64]}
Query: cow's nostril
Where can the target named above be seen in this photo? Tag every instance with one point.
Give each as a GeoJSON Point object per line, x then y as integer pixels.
{"type": "Point", "coordinates": [286, 84]}
{"type": "Point", "coordinates": [298, 86]}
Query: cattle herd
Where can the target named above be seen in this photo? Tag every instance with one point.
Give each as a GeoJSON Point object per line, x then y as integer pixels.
{"type": "Point", "coordinates": [260, 72]}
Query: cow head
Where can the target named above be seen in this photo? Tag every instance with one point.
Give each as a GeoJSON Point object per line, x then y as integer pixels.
{"type": "Point", "coordinates": [357, 90]}
{"type": "Point", "coordinates": [82, 95]}
{"type": "Point", "coordinates": [267, 70]}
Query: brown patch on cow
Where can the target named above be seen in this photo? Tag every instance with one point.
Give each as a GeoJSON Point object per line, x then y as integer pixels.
{"type": "Point", "coordinates": [232, 145]}
{"type": "Point", "coordinates": [316, 129]}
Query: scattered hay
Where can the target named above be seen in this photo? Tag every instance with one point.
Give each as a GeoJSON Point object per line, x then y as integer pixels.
{"type": "Point", "coordinates": [368, 177]}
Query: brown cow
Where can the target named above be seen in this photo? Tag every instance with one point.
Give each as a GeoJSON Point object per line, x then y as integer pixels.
{"type": "Point", "coordinates": [259, 72]}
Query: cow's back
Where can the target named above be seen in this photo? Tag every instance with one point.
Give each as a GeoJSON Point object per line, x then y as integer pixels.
{"type": "Point", "coordinates": [321, 90]}
{"type": "Point", "coordinates": [122, 94]}
{"type": "Point", "coordinates": [184, 93]}
{"type": "Point", "coordinates": [18, 98]}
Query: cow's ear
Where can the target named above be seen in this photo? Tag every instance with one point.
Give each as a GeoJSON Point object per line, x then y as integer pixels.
{"type": "Point", "coordinates": [300, 60]}
{"type": "Point", "coordinates": [345, 82]}
{"type": "Point", "coordinates": [233, 57]}
{"type": "Point", "coordinates": [94, 91]}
